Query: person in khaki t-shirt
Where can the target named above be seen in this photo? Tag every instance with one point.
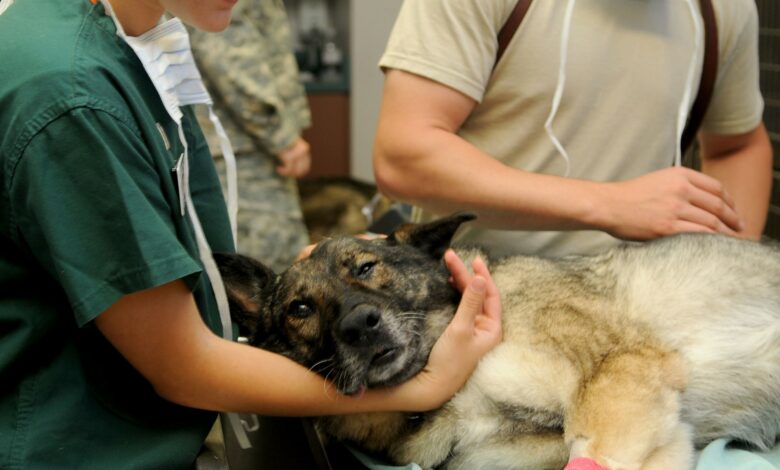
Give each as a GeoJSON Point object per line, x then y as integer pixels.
{"type": "Point", "coordinates": [474, 130]}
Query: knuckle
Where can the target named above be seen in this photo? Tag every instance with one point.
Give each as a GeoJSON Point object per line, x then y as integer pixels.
{"type": "Point", "coordinates": [666, 227]}
{"type": "Point", "coordinates": [713, 223]}
{"type": "Point", "coordinates": [682, 188]}
{"type": "Point", "coordinates": [720, 206]}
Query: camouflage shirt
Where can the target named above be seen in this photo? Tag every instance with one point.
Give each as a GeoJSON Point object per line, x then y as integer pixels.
{"type": "Point", "coordinates": [251, 73]}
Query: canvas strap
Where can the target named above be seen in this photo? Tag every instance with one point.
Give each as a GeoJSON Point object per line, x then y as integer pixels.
{"type": "Point", "coordinates": [708, 74]}
{"type": "Point", "coordinates": [709, 67]}
{"type": "Point", "coordinates": [511, 25]}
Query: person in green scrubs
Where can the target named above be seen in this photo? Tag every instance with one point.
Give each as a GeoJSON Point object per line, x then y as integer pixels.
{"type": "Point", "coordinates": [110, 354]}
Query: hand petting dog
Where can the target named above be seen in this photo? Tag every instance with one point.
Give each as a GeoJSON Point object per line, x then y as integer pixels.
{"type": "Point", "coordinates": [475, 330]}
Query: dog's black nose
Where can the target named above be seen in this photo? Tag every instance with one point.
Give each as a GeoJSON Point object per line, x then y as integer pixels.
{"type": "Point", "coordinates": [359, 325]}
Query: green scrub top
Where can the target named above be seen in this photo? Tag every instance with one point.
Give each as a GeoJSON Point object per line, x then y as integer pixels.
{"type": "Point", "coordinates": [90, 212]}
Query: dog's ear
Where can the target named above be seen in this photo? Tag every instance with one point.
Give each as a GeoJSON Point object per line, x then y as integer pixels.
{"type": "Point", "coordinates": [244, 279]}
{"type": "Point", "coordinates": [433, 237]}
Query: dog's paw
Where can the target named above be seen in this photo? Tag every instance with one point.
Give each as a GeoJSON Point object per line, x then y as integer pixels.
{"type": "Point", "coordinates": [584, 455]}
{"type": "Point", "coordinates": [675, 453]}
{"type": "Point", "coordinates": [582, 463]}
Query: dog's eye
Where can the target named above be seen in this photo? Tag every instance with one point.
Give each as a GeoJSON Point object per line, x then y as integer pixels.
{"type": "Point", "coordinates": [299, 309]}
{"type": "Point", "coordinates": [364, 270]}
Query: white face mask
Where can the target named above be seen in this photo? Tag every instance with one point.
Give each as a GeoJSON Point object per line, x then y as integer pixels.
{"type": "Point", "coordinates": [165, 53]}
{"type": "Point", "coordinates": [167, 58]}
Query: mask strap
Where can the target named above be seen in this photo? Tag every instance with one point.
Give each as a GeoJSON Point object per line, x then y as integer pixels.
{"type": "Point", "coordinates": [215, 278]}
{"type": "Point", "coordinates": [120, 31]}
{"type": "Point", "coordinates": [204, 251]}
{"type": "Point", "coordinates": [4, 4]}
{"type": "Point", "coordinates": [564, 53]}
{"type": "Point", "coordinates": [230, 172]}
{"type": "Point", "coordinates": [685, 104]}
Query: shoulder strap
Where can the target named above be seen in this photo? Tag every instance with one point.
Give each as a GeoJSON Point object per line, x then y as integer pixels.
{"type": "Point", "coordinates": [511, 25]}
{"type": "Point", "coordinates": [708, 74]}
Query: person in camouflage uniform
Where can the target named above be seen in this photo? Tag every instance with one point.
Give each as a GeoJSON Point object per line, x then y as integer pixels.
{"type": "Point", "coordinates": [251, 73]}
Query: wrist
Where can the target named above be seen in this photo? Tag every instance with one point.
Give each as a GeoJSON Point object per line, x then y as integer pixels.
{"type": "Point", "coordinates": [591, 205]}
{"type": "Point", "coordinates": [415, 395]}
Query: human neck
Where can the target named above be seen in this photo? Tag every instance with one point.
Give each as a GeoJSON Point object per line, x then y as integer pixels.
{"type": "Point", "coordinates": [137, 16]}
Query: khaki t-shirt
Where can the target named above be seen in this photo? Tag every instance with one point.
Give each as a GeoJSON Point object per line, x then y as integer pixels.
{"type": "Point", "coordinates": [626, 72]}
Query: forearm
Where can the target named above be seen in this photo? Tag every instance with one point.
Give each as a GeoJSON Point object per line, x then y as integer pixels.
{"type": "Point", "coordinates": [419, 158]}
{"type": "Point", "coordinates": [234, 377]}
{"type": "Point", "coordinates": [160, 332]}
{"type": "Point", "coordinates": [439, 171]}
{"type": "Point", "coordinates": [746, 173]}
{"type": "Point", "coordinates": [163, 336]}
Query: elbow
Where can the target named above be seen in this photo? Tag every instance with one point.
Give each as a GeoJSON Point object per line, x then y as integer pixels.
{"type": "Point", "coordinates": [386, 178]}
{"type": "Point", "coordinates": [175, 391]}
{"type": "Point", "coordinates": [394, 173]}
{"type": "Point", "coordinates": [186, 381]}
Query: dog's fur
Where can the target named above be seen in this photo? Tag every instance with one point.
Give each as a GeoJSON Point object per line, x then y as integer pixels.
{"type": "Point", "coordinates": [630, 357]}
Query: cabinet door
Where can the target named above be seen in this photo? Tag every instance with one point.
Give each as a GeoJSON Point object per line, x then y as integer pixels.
{"type": "Point", "coordinates": [329, 135]}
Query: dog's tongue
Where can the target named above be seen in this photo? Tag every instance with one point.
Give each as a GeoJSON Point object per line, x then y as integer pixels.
{"type": "Point", "coordinates": [360, 391]}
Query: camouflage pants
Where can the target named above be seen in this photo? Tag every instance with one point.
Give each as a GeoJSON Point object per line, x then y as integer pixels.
{"type": "Point", "coordinates": [270, 222]}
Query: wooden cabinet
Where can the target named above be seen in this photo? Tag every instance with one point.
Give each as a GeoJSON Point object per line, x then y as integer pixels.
{"type": "Point", "coordinates": [328, 135]}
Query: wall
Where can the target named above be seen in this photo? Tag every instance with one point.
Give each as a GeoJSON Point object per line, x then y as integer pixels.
{"type": "Point", "coordinates": [371, 22]}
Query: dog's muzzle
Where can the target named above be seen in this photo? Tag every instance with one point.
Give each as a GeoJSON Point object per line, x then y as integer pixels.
{"type": "Point", "coordinates": [360, 325]}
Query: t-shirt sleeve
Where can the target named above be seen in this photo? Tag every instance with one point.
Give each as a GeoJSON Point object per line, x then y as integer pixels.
{"type": "Point", "coordinates": [736, 105]}
{"type": "Point", "coordinates": [96, 211]}
{"type": "Point", "coordinates": [453, 42]}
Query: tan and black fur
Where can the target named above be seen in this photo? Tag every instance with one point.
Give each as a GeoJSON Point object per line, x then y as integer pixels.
{"type": "Point", "coordinates": [631, 357]}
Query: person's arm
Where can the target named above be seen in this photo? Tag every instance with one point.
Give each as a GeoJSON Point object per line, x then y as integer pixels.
{"type": "Point", "coordinates": [743, 163]}
{"type": "Point", "coordinates": [419, 158]}
{"type": "Point", "coordinates": [252, 71]}
{"type": "Point", "coordinates": [161, 334]}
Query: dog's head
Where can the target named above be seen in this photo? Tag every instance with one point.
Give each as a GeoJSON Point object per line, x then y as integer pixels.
{"type": "Point", "coordinates": [362, 313]}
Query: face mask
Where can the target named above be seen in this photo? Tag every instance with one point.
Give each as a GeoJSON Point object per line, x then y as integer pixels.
{"type": "Point", "coordinates": [164, 52]}
{"type": "Point", "coordinates": [685, 102]}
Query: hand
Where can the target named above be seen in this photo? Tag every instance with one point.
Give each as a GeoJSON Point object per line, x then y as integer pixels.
{"type": "Point", "coordinates": [669, 201]}
{"type": "Point", "coordinates": [305, 251]}
{"type": "Point", "coordinates": [295, 160]}
{"type": "Point", "coordinates": [475, 330]}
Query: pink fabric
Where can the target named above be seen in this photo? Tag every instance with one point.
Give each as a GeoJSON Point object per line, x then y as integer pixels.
{"type": "Point", "coordinates": [582, 463]}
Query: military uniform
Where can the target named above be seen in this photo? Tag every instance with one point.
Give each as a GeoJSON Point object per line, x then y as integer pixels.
{"type": "Point", "coordinates": [253, 79]}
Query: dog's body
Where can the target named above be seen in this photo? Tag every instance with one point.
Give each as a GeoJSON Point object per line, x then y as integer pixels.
{"type": "Point", "coordinates": [627, 357]}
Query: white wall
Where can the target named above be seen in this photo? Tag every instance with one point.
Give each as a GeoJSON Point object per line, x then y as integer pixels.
{"type": "Point", "coordinates": [370, 25]}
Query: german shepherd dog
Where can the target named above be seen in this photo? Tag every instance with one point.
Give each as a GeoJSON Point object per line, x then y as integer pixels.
{"type": "Point", "coordinates": [632, 357]}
